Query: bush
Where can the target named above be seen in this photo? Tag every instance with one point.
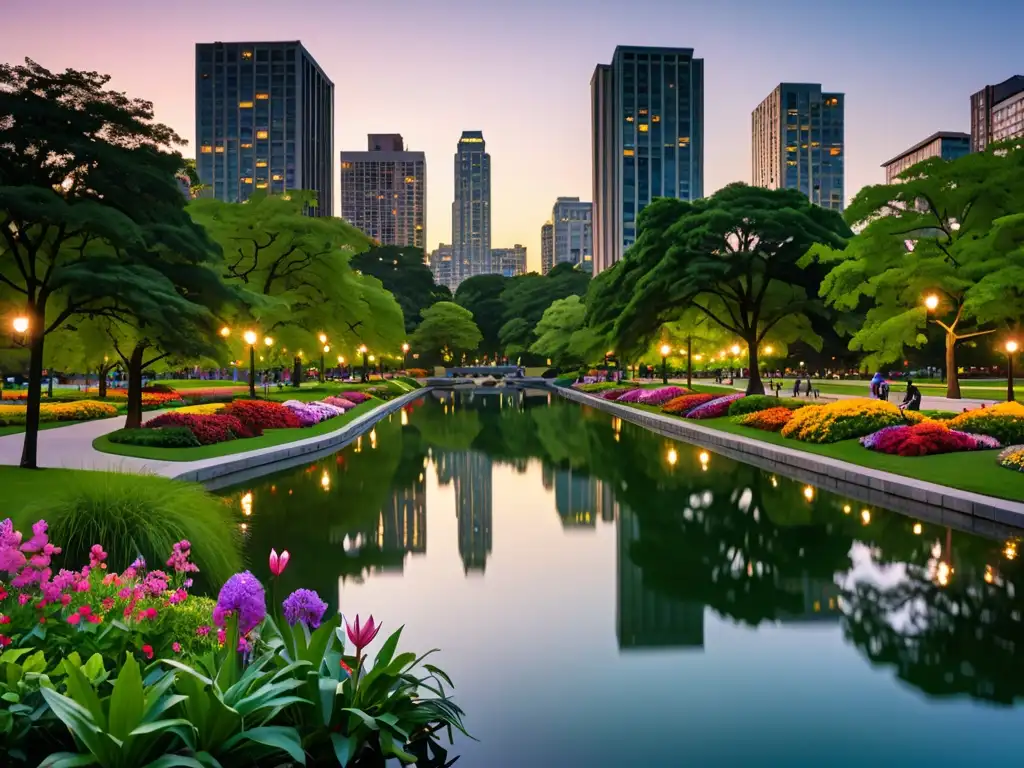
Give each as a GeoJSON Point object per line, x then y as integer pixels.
{"type": "Point", "coordinates": [258, 415]}
{"type": "Point", "coordinates": [80, 410]}
{"type": "Point", "coordinates": [564, 381]}
{"type": "Point", "coordinates": [714, 409]}
{"type": "Point", "coordinates": [209, 429]}
{"type": "Point", "coordinates": [166, 437]}
{"type": "Point", "coordinates": [845, 419]}
{"type": "Point", "coordinates": [162, 389]}
{"type": "Point", "coordinates": [769, 419]}
{"type": "Point", "coordinates": [924, 439]}
{"type": "Point", "coordinates": [141, 515]}
{"type": "Point", "coordinates": [598, 386]}
{"type": "Point", "coordinates": [680, 406]}
{"type": "Point", "coordinates": [615, 394]}
{"type": "Point", "coordinates": [752, 403]}
{"type": "Point", "coordinates": [340, 402]}
{"type": "Point", "coordinates": [1005, 422]}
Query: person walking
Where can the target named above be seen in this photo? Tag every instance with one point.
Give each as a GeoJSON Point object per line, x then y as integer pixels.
{"type": "Point", "coordinates": [876, 380]}
{"type": "Point", "coordinates": [796, 386]}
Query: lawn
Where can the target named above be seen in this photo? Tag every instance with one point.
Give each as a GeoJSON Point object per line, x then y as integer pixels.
{"type": "Point", "coordinates": [268, 439]}
{"type": "Point", "coordinates": [315, 391]}
{"type": "Point", "coordinates": [183, 384]}
{"type": "Point", "coordinates": [24, 487]}
{"type": "Point", "coordinates": [975, 471]}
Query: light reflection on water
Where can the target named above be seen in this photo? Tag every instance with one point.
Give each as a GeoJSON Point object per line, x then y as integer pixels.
{"type": "Point", "coordinates": [606, 597]}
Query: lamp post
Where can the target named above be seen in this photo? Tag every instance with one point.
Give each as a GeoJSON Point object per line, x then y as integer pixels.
{"type": "Point", "coordinates": [405, 357]}
{"type": "Point", "coordinates": [341, 366]}
{"type": "Point", "coordinates": [665, 350]}
{"type": "Point", "coordinates": [269, 342]}
{"type": "Point", "coordinates": [323, 353]}
{"type": "Point", "coordinates": [372, 363]}
{"type": "Point", "coordinates": [362, 351]}
{"type": "Point", "coordinates": [1011, 348]}
{"type": "Point", "coordinates": [250, 339]}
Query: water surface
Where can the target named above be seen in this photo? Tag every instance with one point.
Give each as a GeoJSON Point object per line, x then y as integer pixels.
{"type": "Point", "coordinates": [607, 597]}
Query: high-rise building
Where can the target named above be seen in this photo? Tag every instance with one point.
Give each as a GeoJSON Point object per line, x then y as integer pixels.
{"type": "Point", "coordinates": [997, 113]}
{"type": "Point", "coordinates": [471, 211]}
{"type": "Point", "coordinates": [949, 145]}
{"type": "Point", "coordinates": [443, 266]}
{"type": "Point", "coordinates": [547, 248]}
{"type": "Point", "coordinates": [510, 262]}
{"type": "Point", "coordinates": [572, 233]}
{"type": "Point", "coordinates": [384, 191]}
{"type": "Point", "coordinates": [473, 507]}
{"type": "Point", "coordinates": [798, 142]}
{"type": "Point", "coordinates": [648, 139]}
{"type": "Point", "coordinates": [264, 121]}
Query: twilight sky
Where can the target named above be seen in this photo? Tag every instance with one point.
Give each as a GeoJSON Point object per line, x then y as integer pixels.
{"type": "Point", "coordinates": [520, 72]}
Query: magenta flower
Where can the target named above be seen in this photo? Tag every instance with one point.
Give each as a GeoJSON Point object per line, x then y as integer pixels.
{"type": "Point", "coordinates": [306, 606]}
{"type": "Point", "coordinates": [279, 562]}
{"type": "Point", "coordinates": [362, 636]}
{"type": "Point", "coordinates": [96, 556]}
{"type": "Point", "coordinates": [243, 595]}
{"type": "Point", "coordinates": [179, 559]}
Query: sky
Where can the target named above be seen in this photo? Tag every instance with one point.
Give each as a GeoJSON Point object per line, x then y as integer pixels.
{"type": "Point", "coordinates": [520, 72]}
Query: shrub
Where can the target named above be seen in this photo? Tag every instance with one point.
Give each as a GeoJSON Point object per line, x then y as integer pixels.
{"type": "Point", "coordinates": [355, 396]}
{"type": "Point", "coordinates": [1012, 458]}
{"type": "Point", "coordinates": [680, 406]}
{"type": "Point", "coordinates": [208, 429]}
{"type": "Point", "coordinates": [80, 410]}
{"type": "Point", "coordinates": [202, 408]}
{"type": "Point", "coordinates": [259, 415]}
{"type": "Point", "coordinates": [924, 439]}
{"type": "Point", "coordinates": [769, 419]}
{"type": "Point", "coordinates": [141, 515]}
{"type": "Point", "coordinates": [713, 409]}
{"type": "Point", "coordinates": [564, 381]}
{"type": "Point", "coordinates": [1005, 422]}
{"type": "Point", "coordinates": [162, 389]}
{"type": "Point", "coordinates": [166, 437]}
{"type": "Point", "coordinates": [752, 403]}
{"type": "Point", "coordinates": [661, 395]}
{"type": "Point", "coordinates": [845, 419]}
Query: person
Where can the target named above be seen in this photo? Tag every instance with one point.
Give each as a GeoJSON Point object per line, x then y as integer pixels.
{"type": "Point", "coordinates": [883, 390]}
{"type": "Point", "coordinates": [796, 386]}
{"type": "Point", "coordinates": [912, 400]}
{"type": "Point", "coordinates": [875, 381]}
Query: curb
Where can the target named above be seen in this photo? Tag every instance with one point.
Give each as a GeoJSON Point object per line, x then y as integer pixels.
{"type": "Point", "coordinates": [244, 462]}
{"type": "Point", "coordinates": [872, 486]}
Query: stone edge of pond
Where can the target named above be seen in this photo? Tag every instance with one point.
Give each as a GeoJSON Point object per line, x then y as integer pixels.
{"type": "Point", "coordinates": [875, 485]}
{"type": "Point", "coordinates": [211, 469]}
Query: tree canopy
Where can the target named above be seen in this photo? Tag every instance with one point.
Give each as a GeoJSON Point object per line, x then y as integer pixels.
{"type": "Point", "coordinates": [404, 272]}
{"type": "Point", "coordinates": [948, 229]}
{"type": "Point", "coordinates": [481, 295]}
{"type": "Point", "coordinates": [527, 298]}
{"type": "Point", "coordinates": [447, 328]}
{"type": "Point", "coordinates": [734, 257]}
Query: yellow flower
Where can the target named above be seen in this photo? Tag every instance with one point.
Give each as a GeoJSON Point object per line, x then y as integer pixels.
{"type": "Point", "coordinates": [845, 419]}
{"type": "Point", "coordinates": [202, 408]}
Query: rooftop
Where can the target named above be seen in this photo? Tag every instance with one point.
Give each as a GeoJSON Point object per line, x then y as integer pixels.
{"type": "Point", "coordinates": [934, 137]}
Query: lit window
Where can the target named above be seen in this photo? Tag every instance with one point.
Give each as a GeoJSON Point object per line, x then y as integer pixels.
{"type": "Point", "coordinates": [346, 165]}
{"type": "Point", "coordinates": [261, 134]}
{"type": "Point", "coordinates": [245, 105]}
{"type": "Point", "coordinates": [815, 144]}
{"type": "Point", "coordinates": [629, 118]}
{"type": "Point", "coordinates": [394, 212]}
{"type": "Point", "coordinates": [410, 179]}
{"type": "Point", "coordinates": [246, 55]}
{"type": "Point", "coordinates": [206, 149]}
{"type": "Point", "coordinates": [791, 148]}
{"type": "Point", "coordinates": [246, 145]}
{"type": "Point", "coordinates": [834, 151]}
{"type": "Point", "coordinates": [656, 119]}
{"type": "Point", "coordinates": [247, 179]}
{"type": "Point", "coordinates": [261, 163]}
{"type": "Point", "coordinates": [642, 127]}
{"type": "Point", "coordinates": [261, 185]}
{"type": "Point", "coordinates": [627, 152]}
{"type": "Point", "coordinates": [684, 141]}
{"type": "Point", "coordinates": [419, 227]}
{"type": "Point", "coordinates": [218, 149]}
{"type": "Point", "coordinates": [791, 162]}
{"type": "Point", "coordinates": [277, 177]}
{"type": "Point", "coordinates": [262, 96]}
{"type": "Point", "coordinates": [643, 112]}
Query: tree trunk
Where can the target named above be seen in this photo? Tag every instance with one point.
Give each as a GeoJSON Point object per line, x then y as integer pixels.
{"type": "Point", "coordinates": [101, 386]}
{"type": "Point", "coordinates": [689, 362]}
{"type": "Point", "coordinates": [296, 371]}
{"type": "Point", "coordinates": [754, 384]}
{"type": "Point", "coordinates": [29, 448]}
{"type": "Point", "coordinates": [134, 375]}
{"type": "Point", "coordinates": [952, 378]}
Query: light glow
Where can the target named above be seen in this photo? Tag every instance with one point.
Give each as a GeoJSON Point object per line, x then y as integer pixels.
{"type": "Point", "coordinates": [20, 324]}
{"type": "Point", "coordinates": [931, 302]}
{"type": "Point", "coordinates": [250, 337]}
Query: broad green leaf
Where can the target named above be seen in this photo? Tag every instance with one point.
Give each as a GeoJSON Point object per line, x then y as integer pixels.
{"type": "Point", "coordinates": [174, 761]}
{"type": "Point", "coordinates": [12, 656]}
{"type": "Point", "coordinates": [440, 673]}
{"type": "Point", "coordinates": [328, 692]}
{"type": "Point", "coordinates": [344, 748]}
{"type": "Point", "coordinates": [93, 668]}
{"type": "Point", "coordinates": [80, 723]}
{"type": "Point", "coordinates": [126, 701]}
{"type": "Point", "coordinates": [34, 663]}
{"type": "Point", "coordinates": [81, 690]}
{"type": "Point", "coordinates": [368, 721]}
{"type": "Point", "coordinates": [278, 737]}
{"type": "Point", "coordinates": [388, 649]}
{"type": "Point", "coordinates": [67, 760]}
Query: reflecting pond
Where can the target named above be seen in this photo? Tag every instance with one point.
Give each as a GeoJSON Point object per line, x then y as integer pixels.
{"type": "Point", "coordinates": [604, 596]}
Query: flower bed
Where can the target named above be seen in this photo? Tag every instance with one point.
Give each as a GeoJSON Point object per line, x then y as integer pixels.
{"type": "Point", "coordinates": [680, 406]}
{"type": "Point", "coordinates": [714, 409]}
{"type": "Point", "coordinates": [770, 419]}
{"type": "Point", "coordinates": [202, 408]}
{"type": "Point", "coordinates": [165, 437]}
{"type": "Point", "coordinates": [340, 402]}
{"type": "Point", "coordinates": [597, 386]}
{"type": "Point", "coordinates": [924, 439]}
{"type": "Point", "coordinates": [845, 419]}
{"type": "Point", "coordinates": [310, 414]}
{"type": "Point", "coordinates": [259, 415]}
{"type": "Point", "coordinates": [79, 410]}
{"type": "Point", "coordinates": [614, 394]}
{"type": "Point", "coordinates": [1012, 458]}
{"type": "Point", "coordinates": [208, 428]}
{"type": "Point", "coordinates": [355, 396]}
{"type": "Point", "coordinates": [630, 396]}
{"type": "Point", "coordinates": [752, 403]}
{"type": "Point", "coordinates": [1005, 422]}
{"type": "Point", "coordinates": [661, 395]}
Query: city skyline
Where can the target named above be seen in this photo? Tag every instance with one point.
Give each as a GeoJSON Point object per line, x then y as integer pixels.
{"type": "Point", "coordinates": [885, 114]}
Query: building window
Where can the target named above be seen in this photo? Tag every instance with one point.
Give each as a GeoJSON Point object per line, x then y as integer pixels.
{"type": "Point", "coordinates": [262, 134]}
{"type": "Point", "coordinates": [642, 127]}
{"type": "Point", "coordinates": [245, 105]}
{"type": "Point", "coordinates": [684, 141]}
{"type": "Point", "coordinates": [206, 149]}
{"type": "Point", "coordinates": [219, 149]}
{"type": "Point", "coordinates": [628, 152]}
{"type": "Point", "coordinates": [277, 177]}
{"type": "Point", "coordinates": [643, 112]}
{"type": "Point", "coordinates": [656, 119]}
{"type": "Point", "coordinates": [246, 145]}
{"type": "Point", "coordinates": [247, 179]}
{"type": "Point", "coordinates": [346, 165]}
{"type": "Point", "coordinates": [261, 185]}
{"type": "Point", "coordinates": [247, 55]}
{"type": "Point", "coordinates": [261, 163]}
{"type": "Point", "coordinates": [262, 96]}
{"type": "Point", "coordinates": [835, 151]}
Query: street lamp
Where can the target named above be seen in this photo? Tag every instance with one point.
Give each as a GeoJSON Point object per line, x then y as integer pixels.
{"type": "Point", "coordinates": [931, 302]}
{"type": "Point", "coordinates": [362, 351]}
{"type": "Point", "coordinates": [323, 338]}
{"type": "Point", "coordinates": [665, 350]}
{"type": "Point", "coordinates": [324, 351]}
{"type": "Point", "coordinates": [225, 331]}
{"type": "Point", "coordinates": [405, 356]}
{"type": "Point", "coordinates": [1011, 347]}
{"type": "Point", "coordinates": [250, 339]}
{"type": "Point", "coordinates": [20, 325]}
{"type": "Point", "coordinates": [341, 365]}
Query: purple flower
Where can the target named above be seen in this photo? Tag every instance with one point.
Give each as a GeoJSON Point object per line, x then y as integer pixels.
{"type": "Point", "coordinates": [306, 606]}
{"type": "Point", "coordinates": [241, 594]}
{"type": "Point", "coordinates": [714, 408]}
{"type": "Point", "coordinates": [659, 395]}
{"type": "Point", "coordinates": [870, 441]}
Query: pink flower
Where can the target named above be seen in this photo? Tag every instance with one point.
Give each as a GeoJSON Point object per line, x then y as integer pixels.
{"type": "Point", "coordinates": [147, 651]}
{"type": "Point", "coordinates": [176, 646]}
{"type": "Point", "coordinates": [178, 597]}
{"type": "Point", "coordinates": [22, 599]}
{"type": "Point", "coordinates": [222, 635]}
{"type": "Point", "coordinates": [4, 641]}
{"type": "Point", "coordinates": [203, 630]}
{"type": "Point", "coordinates": [108, 603]}
{"type": "Point", "coordinates": [179, 559]}
{"type": "Point", "coordinates": [362, 636]}
{"type": "Point", "coordinates": [5, 619]}
{"type": "Point", "coordinates": [65, 600]}
{"type": "Point", "coordinates": [85, 610]}
{"type": "Point", "coordinates": [97, 556]}
{"type": "Point", "coordinates": [150, 613]}
{"type": "Point", "coordinates": [278, 562]}
{"type": "Point", "coordinates": [74, 618]}
{"type": "Point", "coordinates": [95, 618]}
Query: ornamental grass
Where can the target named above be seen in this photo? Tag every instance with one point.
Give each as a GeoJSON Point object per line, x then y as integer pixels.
{"type": "Point", "coordinates": [714, 409]}
{"type": "Point", "coordinates": [682, 405]}
{"type": "Point", "coordinates": [1004, 422]}
{"type": "Point", "coordinates": [925, 439]}
{"type": "Point", "coordinates": [845, 420]}
{"type": "Point", "coordinates": [770, 419]}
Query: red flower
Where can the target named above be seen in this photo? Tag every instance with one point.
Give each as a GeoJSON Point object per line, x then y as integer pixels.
{"type": "Point", "coordinates": [5, 619]}
{"type": "Point", "coordinates": [176, 646]}
{"type": "Point", "coordinates": [74, 618]}
{"type": "Point", "coordinates": [85, 610]}
{"type": "Point", "coordinates": [147, 651]}
{"type": "Point", "coordinates": [278, 562]}
{"type": "Point", "coordinates": [95, 618]}
{"type": "Point", "coordinates": [362, 636]}
{"type": "Point", "coordinates": [108, 603]}
{"type": "Point", "coordinates": [4, 641]}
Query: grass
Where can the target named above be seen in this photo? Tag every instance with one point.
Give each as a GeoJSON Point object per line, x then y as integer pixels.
{"type": "Point", "coordinates": [268, 439]}
{"type": "Point", "coordinates": [24, 488]}
{"type": "Point", "coordinates": [975, 471]}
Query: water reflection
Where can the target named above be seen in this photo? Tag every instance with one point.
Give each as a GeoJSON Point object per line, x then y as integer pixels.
{"type": "Point", "coordinates": [703, 550]}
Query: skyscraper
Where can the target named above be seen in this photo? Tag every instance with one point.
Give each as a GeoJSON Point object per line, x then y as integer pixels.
{"type": "Point", "coordinates": [572, 233]}
{"type": "Point", "coordinates": [949, 145]}
{"type": "Point", "coordinates": [264, 120]}
{"type": "Point", "coordinates": [384, 191]}
{"type": "Point", "coordinates": [648, 139]}
{"type": "Point", "coordinates": [547, 248]}
{"type": "Point", "coordinates": [997, 113]}
{"type": "Point", "coordinates": [798, 142]}
{"type": "Point", "coordinates": [510, 262]}
{"type": "Point", "coordinates": [471, 211]}
{"type": "Point", "coordinates": [443, 267]}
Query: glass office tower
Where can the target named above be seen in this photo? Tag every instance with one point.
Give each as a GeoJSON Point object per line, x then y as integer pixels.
{"type": "Point", "coordinates": [471, 211]}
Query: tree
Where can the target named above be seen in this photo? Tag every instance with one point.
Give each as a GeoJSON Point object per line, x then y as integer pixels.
{"type": "Point", "coordinates": [447, 328]}
{"type": "Point", "coordinates": [734, 257]}
{"type": "Point", "coordinates": [527, 297]}
{"type": "Point", "coordinates": [951, 230]}
{"type": "Point", "coordinates": [481, 295]}
{"type": "Point", "coordinates": [403, 271]}
{"type": "Point", "coordinates": [563, 336]}
{"type": "Point", "coordinates": [91, 216]}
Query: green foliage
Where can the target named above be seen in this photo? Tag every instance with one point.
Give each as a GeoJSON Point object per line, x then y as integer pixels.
{"type": "Point", "coordinates": [481, 295]}
{"type": "Point", "coordinates": [447, 326]}
{"type": "Point", "coordinates": [752, 403]}
{"type": "Point", "coordinates": [139, 515]}
{"type": "Point", "coordinates": [406, 275]}
{"type": "Point", "coordinates": [168, 437]}
{"type": "Point", "coordinates": [526, 299]}
{"type": "Point", "coordinates": [182, 621]}
{"type": "Point", "coordinates": [23, 712]}
{"type": "Point", "coordinates": [559, 332]}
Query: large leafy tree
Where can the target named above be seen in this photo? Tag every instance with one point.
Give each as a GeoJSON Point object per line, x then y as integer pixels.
{"type": "Point", "coordinates": [403, 271]}
{"type": "Point", "coordinates": [91, 215]}
{"type": "Point", "coordinates": [563, 336]}
{"type": "Point", "coordinates": [734, 257]}
{"type": "Point", "coordinates": [948, 230]}
{"type": "Point", "coordinates": [447, 328]}
{"type": "Point", "coordinates": [481, 295]}
{"type": "Point", "coordinates": [527, 297]}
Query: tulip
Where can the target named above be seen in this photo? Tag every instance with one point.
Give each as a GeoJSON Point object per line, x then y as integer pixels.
{"type": "Point", "coordinates": [362, 636]}
{"type": "Point", "coordinates": [278, 562]}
